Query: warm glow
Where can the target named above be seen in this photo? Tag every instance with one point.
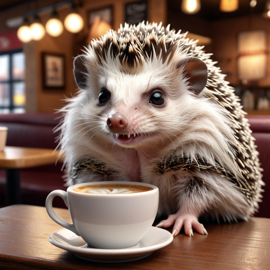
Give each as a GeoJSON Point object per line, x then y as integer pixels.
{"type": "Point", "coordinates": [98, 29]}
{"type": "Point", "coordinates": [74, 23]}
{"type": "Point", "coordinates": [201, 40]}
{"type": "Point", "coordinates": [19, 99]}
{"type": "Point", "coordinates": [37, 31]}
{"type": "Point", "coordinates": [24, 33]}
{"type": "Point", "coordinates": [266, 14]}
{"type": "Point", "coordinates": [252, 67]}
{"type": "Point", "coordinates": [228, 5]}
{"type": "Point", "coordinates": [54, 27]}
{"type": "Point", "coordinates": [253, 3]}
{"type": "Point", "coordinates": [191, 6]}
{"type": "Point", "coordinates": [252, 55]}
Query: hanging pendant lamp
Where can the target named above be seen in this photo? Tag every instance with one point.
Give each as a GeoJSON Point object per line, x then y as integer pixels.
{"type": "Point", "coordinates": [37, 29]}
{"type": "Point", "coordinates": [24, 33]}
{"type": "Point", "coordinates": [73, 22]}
{"type": "Point", "coordinates": [228, 5]}
{"type": "Point", "coordinates": [191, 6]}
{"type": "Point", "coordinates": [54, 26]}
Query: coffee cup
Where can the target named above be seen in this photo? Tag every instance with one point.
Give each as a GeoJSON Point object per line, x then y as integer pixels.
{"type": "Point", "coordinates": [108, 215]}
{"type": "Point", "coordinates": [3, 137]}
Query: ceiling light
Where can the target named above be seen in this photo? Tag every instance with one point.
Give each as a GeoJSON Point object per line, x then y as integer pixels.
{"type": "Point", "coordinates": [24, 33]}
{"type": "Point", "coordinates": [253, 3]}
{"type": "Point", "coordinates": [73, 22]}
{"type": "Point", "coordinates": [37, 29]}
{"type": "Point", "coordinates": [54, 26]}
{"type": "Point", "coordinates": [228, 5]}
{"type": "Point", "coordinates": [267, 10]}
{"type": "Point", "coordinates": [191, 6]}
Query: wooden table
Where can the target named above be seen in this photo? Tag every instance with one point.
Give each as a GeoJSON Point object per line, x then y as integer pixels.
{"type": "Point", "coordinates": [25, 231]}
{"type": "Point", "coordinates": [15, 158]}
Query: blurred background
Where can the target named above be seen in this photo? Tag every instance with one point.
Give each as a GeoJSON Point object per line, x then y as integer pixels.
{"type": "Point", "coordinates": [39, 40]}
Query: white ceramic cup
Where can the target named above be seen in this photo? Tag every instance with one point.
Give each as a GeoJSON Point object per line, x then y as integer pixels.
{"type": "Point", "coordinates": [3, 137]}
{"type": "Point", "coordinates": [108, 221]}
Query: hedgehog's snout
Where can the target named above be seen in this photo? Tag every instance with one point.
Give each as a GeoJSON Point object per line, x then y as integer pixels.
{"type": "Point", "coordinates": [117, 122]}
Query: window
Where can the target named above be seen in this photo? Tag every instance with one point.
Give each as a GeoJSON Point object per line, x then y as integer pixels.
{"type": "Point", "coordinates": [12, 86]}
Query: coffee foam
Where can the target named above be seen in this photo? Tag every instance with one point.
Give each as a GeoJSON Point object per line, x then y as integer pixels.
{"type": "Point", "coordinates": [111, 189]}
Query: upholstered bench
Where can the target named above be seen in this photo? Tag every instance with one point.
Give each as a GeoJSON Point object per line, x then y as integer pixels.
{"type": "Point", "coordinates": [36, 130]}
{"type": "Point", "coordinates": [33, 130]}
{"type": "Point", "coordinates": [260, 126]}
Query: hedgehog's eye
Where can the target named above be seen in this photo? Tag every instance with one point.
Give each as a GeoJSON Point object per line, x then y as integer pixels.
{"type": "Point", "coordinates": [157, 98]}
{"type": "Point", "coordinates": [104, 96]}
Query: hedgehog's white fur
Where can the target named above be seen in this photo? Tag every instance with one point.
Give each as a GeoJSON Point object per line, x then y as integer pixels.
{"type": "Point", "coordinates": [196, 127]}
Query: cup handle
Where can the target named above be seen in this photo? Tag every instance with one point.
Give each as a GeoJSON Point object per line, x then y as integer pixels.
{"type": "Point", "coordinates": [51, 212]}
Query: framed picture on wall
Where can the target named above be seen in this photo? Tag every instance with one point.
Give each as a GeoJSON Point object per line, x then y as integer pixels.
{"type": "Point", "coordinates": [53, 70]}
{"type": "Point", "coordinates": [100, 21]}
{"type": "Point", "coordinates": [136, 12]}
{"type": "Point", "coordinates": [252, 55]}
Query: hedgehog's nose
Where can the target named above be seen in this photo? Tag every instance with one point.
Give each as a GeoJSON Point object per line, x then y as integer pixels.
{"type": "Point", "coordinates": [117, 122]}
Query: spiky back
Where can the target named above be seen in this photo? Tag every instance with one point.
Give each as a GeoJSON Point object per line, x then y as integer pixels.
{"type": "Point", "coordinates": [246, 155]}
{"type": "Point", "coordinates": [133, 45]}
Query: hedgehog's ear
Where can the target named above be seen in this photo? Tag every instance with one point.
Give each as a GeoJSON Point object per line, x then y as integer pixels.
{"type": "Point", "coordinates": [80, 71]}
{"type": "Point", "coordinates": [195, 71]}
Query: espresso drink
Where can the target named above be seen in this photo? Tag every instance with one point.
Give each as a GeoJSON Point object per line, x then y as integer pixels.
{"type": "Point", "coordinates": [111, 189]}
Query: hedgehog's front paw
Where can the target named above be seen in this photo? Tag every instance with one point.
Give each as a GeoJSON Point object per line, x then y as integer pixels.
{"type": "Point", "coordinates": [189, 221]}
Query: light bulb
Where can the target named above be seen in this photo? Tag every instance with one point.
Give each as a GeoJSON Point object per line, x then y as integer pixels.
{"type": "Point", "coordinates": [267, 10]}
{"type": "Point", "coordinates": [24, 33]}
{"type": "Point", "coordinates": [73, 23]}
{"type": "Point", "coordinates": [253, 3]}
{"type": "Point", "coordinates": [191, 6]}
{"type": "Point", "coordinates": [54, 27]}
{"type": "Point", "coordinates": [228, 5]}
{"type": "Point", "coordinates": [37, 31]}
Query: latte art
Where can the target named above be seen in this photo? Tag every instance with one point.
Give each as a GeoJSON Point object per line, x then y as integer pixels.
{"type": "Point", "coordinates": [111, 189]}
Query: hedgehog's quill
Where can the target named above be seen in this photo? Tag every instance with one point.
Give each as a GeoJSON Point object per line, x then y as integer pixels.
{"type": "Point", "coordinates": [152, 107]}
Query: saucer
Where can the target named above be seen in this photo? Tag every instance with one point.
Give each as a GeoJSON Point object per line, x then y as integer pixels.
{"type": "Point", "coordinates": [155, 239]}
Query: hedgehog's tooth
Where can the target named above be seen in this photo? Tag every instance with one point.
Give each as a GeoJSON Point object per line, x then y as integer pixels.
{"type": "Point", "coordinates": [128, 135]}
{"type": "Point", "coordinates": [117, 135]}
{"type": "Point", "coordinates": [134, 135]}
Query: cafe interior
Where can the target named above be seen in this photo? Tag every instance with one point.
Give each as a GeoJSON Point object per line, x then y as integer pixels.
{"type": "Point", "coordinates": [39, 40]}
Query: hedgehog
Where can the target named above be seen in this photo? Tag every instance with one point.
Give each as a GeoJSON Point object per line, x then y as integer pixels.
{"type": "Point", "coordinates": [153, 107]}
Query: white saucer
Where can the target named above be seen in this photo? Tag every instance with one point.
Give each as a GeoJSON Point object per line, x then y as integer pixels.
{"type": "Point", "coordinates": [155, 239]}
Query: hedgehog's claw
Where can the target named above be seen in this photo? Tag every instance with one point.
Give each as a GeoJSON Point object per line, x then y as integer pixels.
{"type": "Point", "coordinates": [160, 225]}
{"type": "Point", "coordinates": [188, 221]}
{"type": "Point", "coordinates": [174, 233]}
{"type": "Point", "coordinates": [190, 232]}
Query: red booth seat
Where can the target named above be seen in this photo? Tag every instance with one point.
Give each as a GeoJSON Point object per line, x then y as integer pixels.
{"type": "Point", "coordinates": [36, 130]}
{"type": "Point", "coordinates": [260, 126]}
